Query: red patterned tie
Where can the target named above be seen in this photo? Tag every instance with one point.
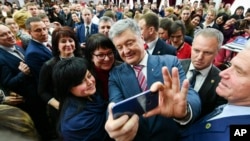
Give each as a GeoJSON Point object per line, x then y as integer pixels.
{"type": "Point", "coordinates": [145, 46]}
{"type": "Point", "coordinates": [141, 77]}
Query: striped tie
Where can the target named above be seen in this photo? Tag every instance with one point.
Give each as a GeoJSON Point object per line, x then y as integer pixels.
{"type": "Point", "coordinates": [141, 77]}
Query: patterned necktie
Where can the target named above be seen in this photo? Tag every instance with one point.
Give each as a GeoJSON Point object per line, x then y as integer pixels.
{"type": "Point", "coordinates": [87, 33]}
{"type": "Point", "coordinates": [145, 46]}
{"type": "Point", "coordinates": [193, 78]}
{"type": "Point", "coordinates": [141, 77]}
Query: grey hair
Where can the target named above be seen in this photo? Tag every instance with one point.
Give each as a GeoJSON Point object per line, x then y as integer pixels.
{"type": "Point", "coordinates": [211, 32]}
{"type": "Point", "coordinates": [122, 25]}
{"type": "Point", "coordinates": [106, 19]}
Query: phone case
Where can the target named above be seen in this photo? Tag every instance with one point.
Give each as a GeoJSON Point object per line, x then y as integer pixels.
{"type": "Point", "coordinates": [137, 104]}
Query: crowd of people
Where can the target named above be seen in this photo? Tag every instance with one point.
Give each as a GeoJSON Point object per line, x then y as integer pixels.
{"type": "Point", "coordinates": [64, 65]}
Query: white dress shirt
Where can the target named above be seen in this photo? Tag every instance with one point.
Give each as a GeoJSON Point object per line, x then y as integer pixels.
{"type": "Point", "coordinates": [199, 78]}
{"type": "Point", "coordinates": [232, 110]}
{"type": "Point", "coordinates": [151, 46]}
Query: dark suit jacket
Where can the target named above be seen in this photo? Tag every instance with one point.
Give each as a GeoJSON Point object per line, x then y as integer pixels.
{"type": "Point", "coordinates": [80, 32]}
{"type": "Point", "coordinates": [209, 98]}
{"type": "Point", "coordinates": [11, 78]}
{"type": "Point", "coordinates": [161, 48]}
{"type": "Point", "coordinates": [214, 130]}
{"type": "Point", "coordinates": [123, 84]}
{"type": "Point", "coordinates": [36, 54]}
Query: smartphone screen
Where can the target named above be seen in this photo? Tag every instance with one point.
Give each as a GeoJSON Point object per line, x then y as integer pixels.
{"type": "Point", "coordinates": [138, 104]}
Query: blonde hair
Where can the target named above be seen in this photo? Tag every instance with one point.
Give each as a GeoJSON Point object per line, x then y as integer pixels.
{"type": "Point", "coordinates": [20, 17]}
{"type": "Point", "coordinates": [17, 121]}
{"type": "Point", "coordinates": [170, 10]}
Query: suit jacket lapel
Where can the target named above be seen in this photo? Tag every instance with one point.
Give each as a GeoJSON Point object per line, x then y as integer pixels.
{"type": "Point", "coordinates": [153, 74]}
{"type": "Point", "coordinates": [11, 59]}
{"type": "Point", "coordinates": [42, 47]}
{"type": "Point", "coordinates": [20, 49]}
{"type": "Point", "coordinates": [153, 70]}
{"type": "Point", "coordinates": [208, 83]}
{"type": "Point", "coordinates": [185, 65]}
{"type": "Point", "coordinates": [158, 46]}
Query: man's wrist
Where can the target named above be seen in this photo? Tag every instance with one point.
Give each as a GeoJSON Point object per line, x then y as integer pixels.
{"type": "Point", "coordinates": [188, 114]}
{"type": "Point", "coordinates": [185, 120]}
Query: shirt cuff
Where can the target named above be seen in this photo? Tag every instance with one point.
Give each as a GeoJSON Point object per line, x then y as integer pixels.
{"type": "Point", "coordinates": [186, 120]}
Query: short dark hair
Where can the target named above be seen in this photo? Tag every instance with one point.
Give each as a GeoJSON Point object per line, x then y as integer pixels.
{"type": "Point", "coordinates": [224, 17]}
{"type": "Point", "coordinates": [30, 20]}
{"type": "Point", "coordinates": [95, 42]}
{"type": "Point", "coordinates": [151, 19]}
{"type": "Point", "coordinates": [165, 23]}
{"type": "Point", "coordinates": [68, 73]}
{"type": "Point", "coordinates": [64, 31]}
{"type": "Point", "coordinates": [177, 25]}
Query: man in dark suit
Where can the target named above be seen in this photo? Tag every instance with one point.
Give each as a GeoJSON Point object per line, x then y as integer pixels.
{"type": "Point", "coordinates": [206, 45]}
{"type": "Point", "coordinates": [123, 84]}
{"type": "Point", "coordinates": [87, 28]}
{"type": "Point", "coordinates": [38, 52]}
{"type": "Point", "coordinates": [149, 24]}
{"type": "Point", "coordinates": [14, 72]}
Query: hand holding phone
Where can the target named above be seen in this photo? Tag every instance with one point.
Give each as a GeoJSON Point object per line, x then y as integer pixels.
{"type": "Point", "coordinates": [138, 104]}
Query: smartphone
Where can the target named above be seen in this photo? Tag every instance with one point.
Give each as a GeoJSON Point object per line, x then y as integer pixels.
{"type": "Point", "coordinates": [138, 104]}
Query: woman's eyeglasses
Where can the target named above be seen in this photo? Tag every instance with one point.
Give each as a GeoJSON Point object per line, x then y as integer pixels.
{"type": "Point", "coordinates": [103, 56]}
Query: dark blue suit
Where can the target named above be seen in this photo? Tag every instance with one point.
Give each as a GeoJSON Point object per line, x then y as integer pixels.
{"type": "Point", "coordinates": [80, 32]}
{"type": "Point", "coordinates": [11, 78]}
{"type": "Point", "coordinates": [161, 48]}
{"type": "Point", "coordinates": [36, 54]}
{"type": "Point", "coordinates": [123, 84]}
{"type": "Point", "coordinates": [214, 130]}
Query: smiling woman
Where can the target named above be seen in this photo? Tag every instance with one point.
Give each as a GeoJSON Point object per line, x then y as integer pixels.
{"type": "Point", "coordinates": [82, 110]}
{"type": "Point", "coordinates": [64, 46]}
{"type": "Point", "coordinates": [100, 52]}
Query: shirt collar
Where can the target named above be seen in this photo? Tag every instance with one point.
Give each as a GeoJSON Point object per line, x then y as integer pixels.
{"type": "Point", "coordinates": [211, 24]}
{"type": "Point", "coordinates": [89, 25]}
{"type": "Point", "coordinates": [144, 60]}
{"type": "Point", "coordinates": [8, 48]}
{"type": "Point", "coordinates": [152, 44]}
{"type": "Point", "coordinates": [204, 72]}
{"type": "Point", "coordinates": [44, 43]}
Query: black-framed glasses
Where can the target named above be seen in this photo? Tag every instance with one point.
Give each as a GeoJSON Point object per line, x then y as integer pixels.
{"type": "Point", "coordinates": [103, 56]}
